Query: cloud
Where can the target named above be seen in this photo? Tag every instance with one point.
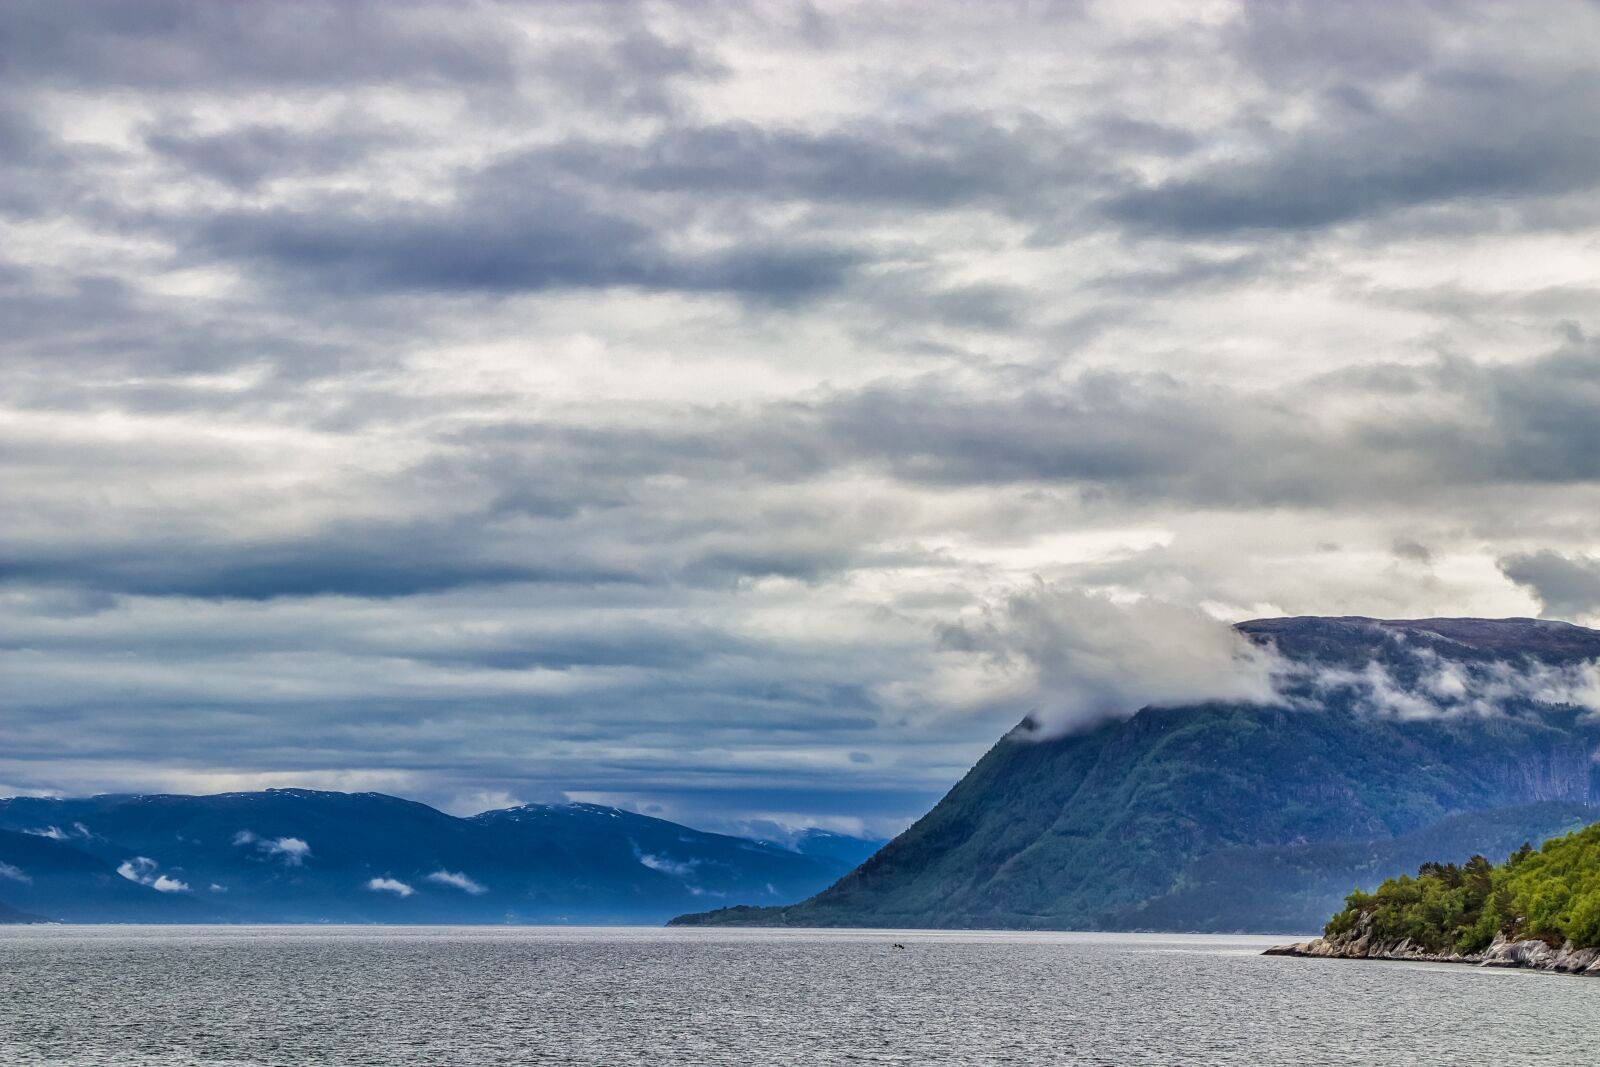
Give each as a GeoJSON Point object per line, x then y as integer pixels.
{"type": "Point", "coordinates": [457, 880]}
{"type": "Point", "coordinates": [389, 885]}
{"type": "Point", "coordinates": [55, 833]}
{"type": "Point", "coordinates": [531, 242]}
{"type": "Point", "coordinates": [291, 850]}
{"type": "Point", "coordinates": [1073, 660]}
{"type": "Point", "coordinates": [246, 156]}
{"type": "Point", "coordinates": [1426, 685]}
{"type": "Point", "coordinates": [1567, 586]}
{"type": "Point", "coordinates": [530, 400]}
{"type": "Point", "coordinates": [160, 44]}
{"type": "Point", "coordinates": [666, 865]}
{"type": "Point", "coordinates": [335, 562]}
{"type": "Point", "coordinates": [1463, 133]}
{"type": "Point", "coordinates": [142, 869]}
{"type": "Point", "coordinates": [1368, 432]}
{"type": "Point", "coordinates": [14, 873]}
{"type": "Point", "coordinates": [960, 160]}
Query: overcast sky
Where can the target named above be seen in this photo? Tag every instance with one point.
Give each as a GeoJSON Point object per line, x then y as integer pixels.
{"type": "Point", "coordinates": [655, 404]}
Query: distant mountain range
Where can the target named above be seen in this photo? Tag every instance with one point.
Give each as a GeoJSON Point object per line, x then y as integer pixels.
{"type": "Point", "coordinates": [1390, 743]}
{"type": "Point", "coordinates": [296, 855]}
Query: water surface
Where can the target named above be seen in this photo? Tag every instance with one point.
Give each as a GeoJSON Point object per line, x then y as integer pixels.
{"type": "Point", "coordinates": [473, 997]}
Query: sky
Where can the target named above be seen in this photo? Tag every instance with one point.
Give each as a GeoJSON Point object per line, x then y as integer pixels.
{"type": "Point", "coordinates": [746, 413]}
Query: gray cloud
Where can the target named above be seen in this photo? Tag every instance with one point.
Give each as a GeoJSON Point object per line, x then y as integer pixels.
{"type": "Point", "coordinates": [245, 156]}
{"type": "Point", "coordinates": [1408, 106]}
{"type": "Point", "coordinates": [337, 562]}
{"type": "Point", "coordinates": [1446, 423]}
{"type": "Point", "coordinates": [169, 44]}
{"type": "Point", "coordinates": [1471, 138]}
{"type": "Point", "coordinates": [1567, 586]}
{"type": "Point", "coordinates": [664, 405]}
{"type": "Point", "coordinates": [527, 241]}
{"type": "Point", "coordinates": [963, 160]}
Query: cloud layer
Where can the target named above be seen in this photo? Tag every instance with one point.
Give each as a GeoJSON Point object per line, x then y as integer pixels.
{"type": "Point", "coordinates": [744, 414]}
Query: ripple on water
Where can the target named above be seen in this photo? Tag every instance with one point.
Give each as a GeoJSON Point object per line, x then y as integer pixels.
{"type": "Point", "coordinates": [475, 997]}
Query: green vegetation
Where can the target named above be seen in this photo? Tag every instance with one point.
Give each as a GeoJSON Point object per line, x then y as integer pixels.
{"type": "Point", "coordinates": [1552, 895]}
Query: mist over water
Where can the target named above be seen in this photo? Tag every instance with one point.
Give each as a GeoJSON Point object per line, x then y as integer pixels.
{"type": "Point", "coordinates": [474, 997]}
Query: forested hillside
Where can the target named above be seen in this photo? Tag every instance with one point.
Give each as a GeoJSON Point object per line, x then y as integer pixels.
{"type": "Point", "coordinates": [1552, 895]}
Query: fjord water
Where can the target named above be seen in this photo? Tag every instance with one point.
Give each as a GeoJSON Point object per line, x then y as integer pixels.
{"type": "Point", "coordinates": [397, 997]}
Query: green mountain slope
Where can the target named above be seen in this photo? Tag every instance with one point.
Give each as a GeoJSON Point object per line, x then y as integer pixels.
{"type": "Point", "coordinates": [1236, 817]}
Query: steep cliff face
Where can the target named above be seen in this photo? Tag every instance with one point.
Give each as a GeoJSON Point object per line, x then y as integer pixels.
{"type": "Point", "coordinates": [1391, 740]}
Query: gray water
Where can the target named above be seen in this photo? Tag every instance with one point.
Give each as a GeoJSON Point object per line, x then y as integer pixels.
{"type": "Point", "coordinates": [442, 997]}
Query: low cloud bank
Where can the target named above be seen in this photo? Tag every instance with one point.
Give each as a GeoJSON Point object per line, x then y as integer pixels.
{"type": "Point", "coordinates": [1426, 685]}
{"type": "Point", "coordinates": [1073, 659]}
{"type": "Point", "coordinates": [1070, 660]}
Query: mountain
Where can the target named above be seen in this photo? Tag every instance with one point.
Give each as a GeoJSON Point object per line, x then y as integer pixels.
{"type": "Point", "coordinates": [48, 876]}
{"type": "Point", "coordinates": [296, 855]}
{"type": "Point", "coordinates": [1389, 740]}
{"type": "Point", "coordinates": [11, 916]}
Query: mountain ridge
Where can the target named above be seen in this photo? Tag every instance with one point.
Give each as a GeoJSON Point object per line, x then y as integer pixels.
{"type": "Point", "coordinates": [1382, 730]}
{"type": "Point", "coordinates": [303, 855]}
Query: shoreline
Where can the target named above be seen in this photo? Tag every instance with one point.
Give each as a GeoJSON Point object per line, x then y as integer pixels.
{"type": "Point", "coordinates": [1536, 955]}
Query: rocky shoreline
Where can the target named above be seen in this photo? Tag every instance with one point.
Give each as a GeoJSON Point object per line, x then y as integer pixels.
{"type": "Point", "coordinates": [1360, 944]}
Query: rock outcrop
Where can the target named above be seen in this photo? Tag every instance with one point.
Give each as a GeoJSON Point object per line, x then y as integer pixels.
{"type": "Point", "coordinates": [1360, 943]}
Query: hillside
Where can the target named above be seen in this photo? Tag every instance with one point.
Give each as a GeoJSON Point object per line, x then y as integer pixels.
{"type": "Point", "coordinates": [1552, 895]}
{"type": "Point", "coordinates": [1538, 909]}
{"type": "Point", "coordinates": [294, 855]}
{"type": "Point", "coordinates": [10, 915]}
{"type": "Point", "coordinates": [1391, 740]}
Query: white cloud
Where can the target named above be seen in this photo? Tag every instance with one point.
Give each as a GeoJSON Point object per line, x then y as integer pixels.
{"type": "Point", "coordinates": [676, 868]}
{"type": "Point", "coordinates": [291, 850]}
{"type": "Point", "coordinates": [458, 880]}
{"type": "Point", "coordinates": [16, 874]}
{"type": "Point", "coordinates": [142, 869]}
{"type": "Point", "coordinates": [1071, 659]}
{"type": "Point", "coordinates": [55, 833]}
{"type": "Point", "coordinates": [390, 885]}
{"type": "Point", "coordinates": [1445, 687]}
